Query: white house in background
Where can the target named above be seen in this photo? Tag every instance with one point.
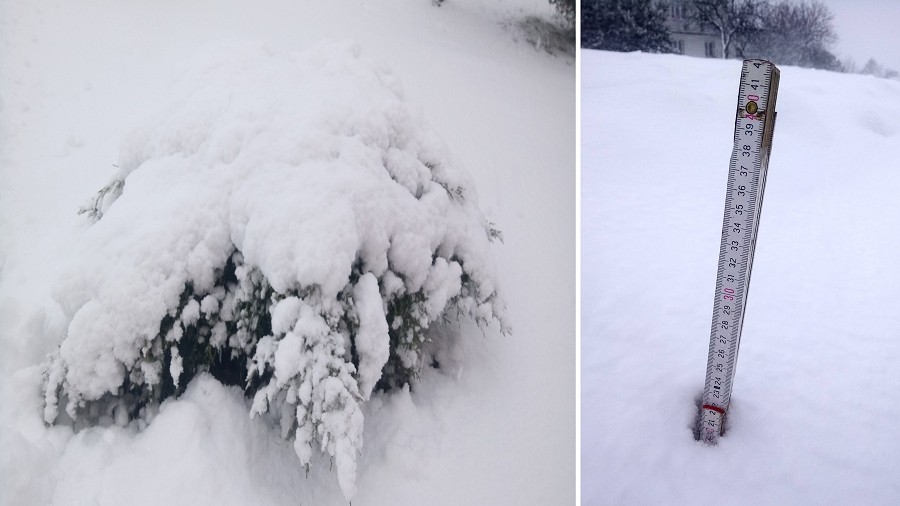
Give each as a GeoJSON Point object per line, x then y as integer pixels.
{"type": "Point", "coordinates": [690, 39]}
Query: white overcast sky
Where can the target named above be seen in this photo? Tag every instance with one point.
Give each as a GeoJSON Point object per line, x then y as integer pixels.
{"type": "Point", "coordinates": [867, 29]}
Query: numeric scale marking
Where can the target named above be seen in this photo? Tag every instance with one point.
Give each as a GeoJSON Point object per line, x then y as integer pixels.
{"type": "Point", "coordinates": [753, 130]}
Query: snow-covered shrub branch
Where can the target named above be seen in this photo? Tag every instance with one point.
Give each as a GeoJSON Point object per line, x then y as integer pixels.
{"type": "Point", "coordinates": [291, 226]}
{"type": "Point", "coordinates": [95, 208]}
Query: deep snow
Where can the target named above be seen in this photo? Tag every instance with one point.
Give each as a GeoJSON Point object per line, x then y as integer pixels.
{"type": "Point", "coordinates": [814, 412]}
{"type": "Point", "coordinates": [492, 427]}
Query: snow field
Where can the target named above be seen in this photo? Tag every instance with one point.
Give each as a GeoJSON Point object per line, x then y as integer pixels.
{"type": "Point", "coordinates": [813, 411]}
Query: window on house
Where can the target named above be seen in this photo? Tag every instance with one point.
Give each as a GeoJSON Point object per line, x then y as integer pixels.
{"type": "Point", "coordinates": [679, 46]}
{"type": "Point", "coordinates": [710, 49]}
{"type": "Point", "coordinates": [677, 10]}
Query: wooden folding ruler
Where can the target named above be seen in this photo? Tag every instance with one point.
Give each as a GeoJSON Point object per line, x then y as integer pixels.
{"type": "Point", "coordinates": [753, 129]}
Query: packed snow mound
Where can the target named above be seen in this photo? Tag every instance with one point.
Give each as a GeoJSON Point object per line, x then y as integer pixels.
{"type": "Point", "coordinates": [290, 217]}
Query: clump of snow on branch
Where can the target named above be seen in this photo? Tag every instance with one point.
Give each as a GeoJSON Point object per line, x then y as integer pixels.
{"type": "Point", "coordinates": [289, 224]}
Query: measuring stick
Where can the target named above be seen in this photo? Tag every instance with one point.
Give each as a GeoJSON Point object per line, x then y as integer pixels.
{"type": "Point", "coordinates": [743, 201]}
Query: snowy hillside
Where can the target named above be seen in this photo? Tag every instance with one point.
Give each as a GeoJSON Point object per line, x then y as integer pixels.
{"type": "Point", "coordinates": [75, 83]}
{"type": "Point", "coordinates": [814, 411]}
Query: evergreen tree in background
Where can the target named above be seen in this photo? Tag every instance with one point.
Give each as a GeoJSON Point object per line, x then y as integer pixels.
{"type": "Point", "coordinates": [872, 68]}
{"type": "Point", "coordinates": [625, 25]}
{"type": "Point", "coordinates": [794, 33]}
{"type": "Point", "coordinates": [566, 8]}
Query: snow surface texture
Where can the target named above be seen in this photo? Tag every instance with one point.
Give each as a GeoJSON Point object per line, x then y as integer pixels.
{"type": "Point", "coordinates": [313, 167]}
{"type": "Point", "coordinates": [813, 417]}
{"type": "Point", "coordinates": [468, 432]}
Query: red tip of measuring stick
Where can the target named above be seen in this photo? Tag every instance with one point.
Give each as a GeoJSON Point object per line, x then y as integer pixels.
{"type": "Point", "coordinates": [717, 409]}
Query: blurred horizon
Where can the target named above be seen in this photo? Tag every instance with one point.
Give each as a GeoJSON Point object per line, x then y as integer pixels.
{"type": "Point", "coordinates": [867, 29]}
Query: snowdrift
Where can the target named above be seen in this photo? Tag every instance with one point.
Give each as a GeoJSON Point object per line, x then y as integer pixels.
{"type": "Point", "coordinates": [814, 406]}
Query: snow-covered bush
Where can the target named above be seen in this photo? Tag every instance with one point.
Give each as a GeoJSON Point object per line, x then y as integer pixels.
{"type": "Point", "coordinates": [290, 225]}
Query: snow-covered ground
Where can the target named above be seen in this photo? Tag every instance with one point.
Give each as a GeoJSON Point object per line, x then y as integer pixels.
{"type": "Point", "coordinates": [815, 409]}
{"type": "Point", "coordinates": [498, 429]}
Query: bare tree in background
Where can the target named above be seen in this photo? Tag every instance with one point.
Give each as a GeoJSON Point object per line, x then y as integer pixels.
{"type": "Point", "coordinates": [873, 68]}
{"type": "Point", "coordinates": [734, 20]}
